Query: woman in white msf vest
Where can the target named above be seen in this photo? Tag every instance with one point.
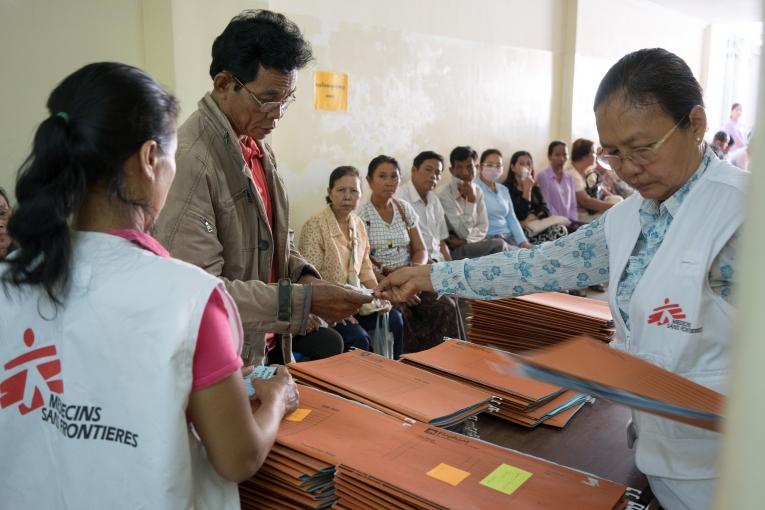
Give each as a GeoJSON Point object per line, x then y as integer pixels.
{"type": "Point", "coordinates": [121, 382]}
{"type": "Point", "coordinates": [668, 254]}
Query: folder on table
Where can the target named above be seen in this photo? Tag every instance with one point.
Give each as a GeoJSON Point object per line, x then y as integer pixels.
{"type": "Point", "coordinates": [587, 365]}
{"type": "Point", "coordinates": [522, 400]}
{"type": "Point", "coordinates": [400, 390]}
{"type": "Point", "coordinates": [383, 462]}
{"type": "Point", "coordinates": [538, 320]}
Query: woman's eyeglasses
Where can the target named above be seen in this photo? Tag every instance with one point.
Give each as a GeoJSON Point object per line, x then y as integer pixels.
{"type": "Point", "coordinates": [640, 156]}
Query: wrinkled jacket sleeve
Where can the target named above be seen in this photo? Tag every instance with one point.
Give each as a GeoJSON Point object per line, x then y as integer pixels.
{"type": "Point", "coordinates": [187, 228]}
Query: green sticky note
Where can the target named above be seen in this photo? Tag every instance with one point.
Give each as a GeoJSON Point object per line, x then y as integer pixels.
{"type": "Point", "coordinates": [506, 479]}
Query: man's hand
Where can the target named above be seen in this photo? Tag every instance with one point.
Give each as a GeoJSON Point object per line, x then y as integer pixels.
{"type": "Point", "coordinates": [455, 241]}
{"type": "Point", "coordinates": [400, 285]}
{"type": "Point", "coordinates": [466, 190]}
{"type": "Point", "coordinates": [334, 302]}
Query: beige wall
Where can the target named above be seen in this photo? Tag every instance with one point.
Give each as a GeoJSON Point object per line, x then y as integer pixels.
{"type": "Point", "coordinates": [602, 37]}
{"type": "Point", "coordinates": [43, 42]}
{"type": "Point", "coordinates": [423, 75]}
{"type": "Point", "coordinates": [409, 91]}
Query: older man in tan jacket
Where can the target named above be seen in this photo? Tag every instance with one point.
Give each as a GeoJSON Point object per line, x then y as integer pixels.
{"type": "Point", "coordinates": [227, 211]}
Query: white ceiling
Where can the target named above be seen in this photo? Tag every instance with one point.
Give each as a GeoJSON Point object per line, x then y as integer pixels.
{"type": "Point", "coordinates": [718, 11]}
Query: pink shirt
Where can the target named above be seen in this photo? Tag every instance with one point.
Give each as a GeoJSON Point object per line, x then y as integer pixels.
{"type": "Point", "coordinates": [215, 357]}
{"type": "Point", "coordinates": [251, 153]}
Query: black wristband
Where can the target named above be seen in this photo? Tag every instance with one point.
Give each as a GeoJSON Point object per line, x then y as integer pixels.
{"type": "Point", "coordinates": [284, 300]}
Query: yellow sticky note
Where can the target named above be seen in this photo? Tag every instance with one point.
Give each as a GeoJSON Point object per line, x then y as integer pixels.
{"type": "Point", "coordinates": [448, 474]}
{"type": "Point", "coordinates": [506, 479]}
{"type": "Point", "coordinates": [298, 414]}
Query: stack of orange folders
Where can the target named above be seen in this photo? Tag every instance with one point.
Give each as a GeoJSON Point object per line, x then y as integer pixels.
{"type": "Point", "coordinates": [289, 480]}
{"type": "Point", "coordinates": [588, 365]}
{"type": "Point", "coordinates": [401, 390]}
{"type": "Point", "coordinates": [539, 320]}
{"type": "Point", "coordinates": [522, 400]}
{"type": "Point", "coordinates": [383, 462]}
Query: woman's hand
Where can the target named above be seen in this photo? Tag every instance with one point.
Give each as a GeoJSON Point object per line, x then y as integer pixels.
{"type": "Point", "coordinates": [280, 389]}
{"type": "Point", "coordinates": [348, 320]}
{"type": "Point", "coordinates": [404, 283]}
{"type": "Point", "coordinates": [413, 300]}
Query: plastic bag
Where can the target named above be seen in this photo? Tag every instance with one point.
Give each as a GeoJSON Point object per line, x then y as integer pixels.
{"type": "Point", "coordinates": [382, 338]}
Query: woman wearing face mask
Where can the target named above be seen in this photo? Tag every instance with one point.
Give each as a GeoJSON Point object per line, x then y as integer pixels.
{"type": "Point", "coordinates": [502, 220]}
{"type": "Point", "coordinates": [528, 203]}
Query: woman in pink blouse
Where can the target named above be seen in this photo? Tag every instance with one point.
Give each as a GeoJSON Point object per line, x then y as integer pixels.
{"type": "Point", "coordinates": [336, 243]}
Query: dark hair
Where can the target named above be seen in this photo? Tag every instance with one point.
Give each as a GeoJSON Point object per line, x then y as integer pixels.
{"type": "Point", "coordinates": [426, 155]}
{"type": "Point", "coordinates": [517, 155]}
{"type": "Point", "coordinates": [734, 106]}
{"type": "Point", "coordinates": [553, 145]}
{"type": "Point", "coordinates": [462, 153]}
{"type": "Point", "coordinates": [722, 136]}
{"type": "Point", "coordinates": [340, 172]}
{"type": "Point", "coordinates": [581, 148]}
{"type": "Point", "coordinates": [99, 117]}
{"type": "Point", "coordinates": [257, 38]}
{"type": "Point", "coordinates": [4, 194]}
{"type": "Point", "coordinates": [379, 160]}
{"type": "Point", "coordinates": [488, 152]}
{"type": "Point", "coordinates": [653, 77]}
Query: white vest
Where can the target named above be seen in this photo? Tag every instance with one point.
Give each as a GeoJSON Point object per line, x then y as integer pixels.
{"type": "Point", "coordinates": [693, 338]}
{"type": "Point", "coordinates": [102, 422]}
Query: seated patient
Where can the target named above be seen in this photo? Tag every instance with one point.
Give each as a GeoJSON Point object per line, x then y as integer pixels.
{"type": "Point", "coordinates": [420, 193]}
{"type": "Point", "coordinates": [465, 209]}
{"type": "Point", "coordinates": [558, 187]}
{"type": "Point", "coordinates": [529, 206]}
{"type": "Point", "coordinates": [335, 242]}
{"type": "Point", "coordinates": [592, 199]}
{"type": "Point", "coordinates": [395, 242]}
{"type": "Point", "coordinates": [6, 243]}
{"type": "Point", "coordinates": [503, 223]}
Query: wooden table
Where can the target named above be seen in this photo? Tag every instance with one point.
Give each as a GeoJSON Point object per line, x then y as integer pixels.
{"type": "Point", "coordinates": [594, 441]}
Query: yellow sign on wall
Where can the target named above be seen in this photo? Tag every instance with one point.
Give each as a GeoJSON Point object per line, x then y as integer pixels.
{"type": "Point", "coordinates": [330, 91]}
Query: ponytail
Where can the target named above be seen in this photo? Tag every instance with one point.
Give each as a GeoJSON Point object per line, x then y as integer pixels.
{"type": "Point", "coordinates": [100, 116]}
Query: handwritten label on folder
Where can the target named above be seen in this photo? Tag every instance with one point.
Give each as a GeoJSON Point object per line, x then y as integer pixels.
{"type": "Point", "coordinates": [448, 474]}
{"type": "Point", "coordinates": [506, 479]}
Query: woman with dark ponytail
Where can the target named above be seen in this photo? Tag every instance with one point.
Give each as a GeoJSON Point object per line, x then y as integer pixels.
{"type": "Point", "coordinates": [112, 349]}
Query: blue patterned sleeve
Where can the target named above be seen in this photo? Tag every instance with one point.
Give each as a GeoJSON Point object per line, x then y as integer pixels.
{"type": "Point", "coordinates": [577, 260]}
{"type": "Point", "coordinates": [721, 273]}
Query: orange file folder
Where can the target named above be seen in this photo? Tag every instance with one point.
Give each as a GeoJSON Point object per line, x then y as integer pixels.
{"type": "Point", "coordinates": [586, 363]}
{"type": "Point", "coordinates": [386, 463]}
{"type": "Point", "coordinates": [393, 387]}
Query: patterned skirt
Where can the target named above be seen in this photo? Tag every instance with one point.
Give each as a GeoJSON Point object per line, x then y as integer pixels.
{"type": "Point", "coordinates": [426, 324]}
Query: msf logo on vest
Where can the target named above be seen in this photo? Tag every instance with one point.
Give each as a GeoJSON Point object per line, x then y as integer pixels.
{"type": "Point", "coordinates": [671, 316]}
{"type": "Point", "coordinates": [14, 389]}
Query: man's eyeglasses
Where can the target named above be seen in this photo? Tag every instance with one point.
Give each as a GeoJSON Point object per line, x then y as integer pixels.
{"type": "Point", "coordinates": [270, 106]}
{"type": "Point", "coordinates": [640, 156]}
